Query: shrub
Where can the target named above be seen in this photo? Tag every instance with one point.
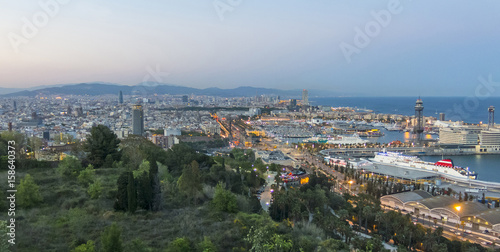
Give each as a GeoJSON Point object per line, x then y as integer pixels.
{"type": "Point", "coordinates": [111, 240]}
{"type": "Point", "coordinates": [224, 200]}
{"type": "Point", "coordinates": [86, 176]}
{"type": "Point", "coordinates": [69, 167]}
{"type": "Point", "coordinates": [89, 247]}
{"type": "Point", "coordinates": [179, 245]}
{"type": "Point", "coordinates": [95, 190]}
{"type": "Point", "coordinates": [28, 194]}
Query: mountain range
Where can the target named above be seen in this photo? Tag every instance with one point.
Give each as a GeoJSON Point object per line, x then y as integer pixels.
{"type": "Point", "coordinates": [148, 88]}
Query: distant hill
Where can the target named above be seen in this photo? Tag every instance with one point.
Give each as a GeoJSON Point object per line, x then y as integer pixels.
{"type": "Point", "coordinates": [155, 88]}
{"type": "Point", "coordinates": [9, 90]}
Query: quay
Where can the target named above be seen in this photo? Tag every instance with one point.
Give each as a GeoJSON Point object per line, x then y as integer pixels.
{"type": "Point", "coordinates": [413, 151]}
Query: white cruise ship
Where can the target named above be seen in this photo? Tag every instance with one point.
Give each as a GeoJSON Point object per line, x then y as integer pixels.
{"type": "Point", "coordinates": [342, 139]}
{"type": "Point", "coordinates": [444, 167]}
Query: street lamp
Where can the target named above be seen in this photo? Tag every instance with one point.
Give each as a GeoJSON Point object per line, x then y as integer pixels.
{"type": "Point", "coordinates": [458, 216]}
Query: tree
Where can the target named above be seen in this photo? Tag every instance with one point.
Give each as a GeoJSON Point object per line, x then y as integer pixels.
{"type": "Point", "coordinates": [179, 245]}
{"type": "Point", "coordinates": [111, 240]}
{"type": "Point", "coordinates": [28, 194]}
{"type": "Point", "coordinates": [131, 193]}
{"type": "Point", "coordinates": [86, 176]}
{"type": "Point", "coordinates": [95, 190]}
{"type": "Point", "coordinates": [88, 247]}
{"type": "Point", "coordinates": [190, 182]}
{"type": "Point", "coordinates": [224, 200]}
{"type": "Point", "coordinates": [206, 245]}
{"type": "Point", "coordinates": [137, 245]}
{"type": "Point", "coordinates": [19, 140]}
{"type": "Point", "coordinates": [121, 202]}
{"type": "Point", "coordinates": [144, 191]}
{"type": "Point", "coordinates": [69, 167]}
{"type": "Point", "coordinates": [154, 178]}
{"type": "Point", "coordinates": [4, 237]}
{"type": "Point", "coordinates": [101, 143]}
{"type": "Point", "coordinates": [108, 161]}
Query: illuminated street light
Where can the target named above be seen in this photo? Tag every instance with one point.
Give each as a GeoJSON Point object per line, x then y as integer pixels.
{"type": "Point", "coordinates": [458, 216]}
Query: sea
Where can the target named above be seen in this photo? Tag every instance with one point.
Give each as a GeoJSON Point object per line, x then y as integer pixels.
{"type": "Point", "coordinates": [470, 109]}
{"type": "Point", "coordinates": [466, 109]}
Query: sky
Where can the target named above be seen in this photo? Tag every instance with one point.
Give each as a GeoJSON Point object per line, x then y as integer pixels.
{"type": "Point", "coordinates": [366, 48]}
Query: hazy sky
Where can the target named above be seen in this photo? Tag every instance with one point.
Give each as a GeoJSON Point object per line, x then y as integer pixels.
{"type": "Point", "coordinates": [427, 47]}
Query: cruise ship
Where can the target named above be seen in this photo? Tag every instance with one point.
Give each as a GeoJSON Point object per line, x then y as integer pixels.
{"type": "Point", "coordinates": [343, 139]}
{"type": "Point", "coordinates": [340, 139]}
{"type": "Point", "coordinates": [444, 167]}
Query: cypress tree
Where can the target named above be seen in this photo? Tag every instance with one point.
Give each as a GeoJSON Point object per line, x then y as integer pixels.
{"type": "Point", "coordinates": [144, 191]}
{"type": "Point", "coordinates": [132, 193]}
{"type": "Point", "coordinates": [121, 203]}
{"type": "Point", "coordinates": [155, 185]}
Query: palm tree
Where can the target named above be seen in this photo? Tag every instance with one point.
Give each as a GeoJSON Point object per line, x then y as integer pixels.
{"type": "Point", "coordinates": [367, 213]}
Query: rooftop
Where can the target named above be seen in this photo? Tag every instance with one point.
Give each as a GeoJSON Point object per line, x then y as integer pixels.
{"type": "Point", "coordinates": [410, 196]}
{"type": "Point", "coordinates": [399, 172]}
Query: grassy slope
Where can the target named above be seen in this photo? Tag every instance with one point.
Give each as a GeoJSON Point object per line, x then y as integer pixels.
{"type": "Point", "coordinates": [69, 217]}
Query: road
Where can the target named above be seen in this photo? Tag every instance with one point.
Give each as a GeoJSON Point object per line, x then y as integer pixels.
{"type": "Point", "coordinates": [266, 195]}
{"type": "Point", "coordinates": [449, 230]}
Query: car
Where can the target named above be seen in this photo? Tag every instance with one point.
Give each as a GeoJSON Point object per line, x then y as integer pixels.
{"type": "Point", "coordinates": [486, 231]}
{"type": "Point", "coordinates": [435, 226]}
{"type": "Point", "coordinates": [486, 243]}
{"type": "Point", "coordinates": [458, 233]}
{"type": "Point", "coordinates": [468, 232]}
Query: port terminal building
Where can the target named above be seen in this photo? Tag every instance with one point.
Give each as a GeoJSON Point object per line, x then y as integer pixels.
{"type": "Point", "coordinates": [471, 215]}
{"type": "Point", "coordinates": [469, 139]}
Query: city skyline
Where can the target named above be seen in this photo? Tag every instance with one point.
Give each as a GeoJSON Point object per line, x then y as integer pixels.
{"type": "Point", "coordinates": [382, 48]}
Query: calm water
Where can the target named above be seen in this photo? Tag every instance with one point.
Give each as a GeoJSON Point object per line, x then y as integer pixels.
{"type": "Point", "coordinates": [390, 136]}
{"type": "Point", "coordinates": [467, 109]}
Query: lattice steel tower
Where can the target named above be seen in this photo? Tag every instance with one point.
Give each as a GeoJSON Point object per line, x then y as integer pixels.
{"type": "Point", "coordinates": [491, 117]}
{"type": "Point", "coordinates": [419, 117]}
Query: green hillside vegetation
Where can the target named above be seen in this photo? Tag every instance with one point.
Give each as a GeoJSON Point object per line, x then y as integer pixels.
{"type": "Point", "coordinates": [137, 197]}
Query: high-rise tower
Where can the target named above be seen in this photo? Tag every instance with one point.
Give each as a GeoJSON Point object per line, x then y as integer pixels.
{"type": "Point", "coordinates": [419, 117]}
{"type": "Point", "coordinates": [137, 120]}
{"type": "Point", "coordinates": [305, 97]}
{"type": "Point", "coordinates": [491, 117]}
{"type": "Point", "coordinates": [120, 97]}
